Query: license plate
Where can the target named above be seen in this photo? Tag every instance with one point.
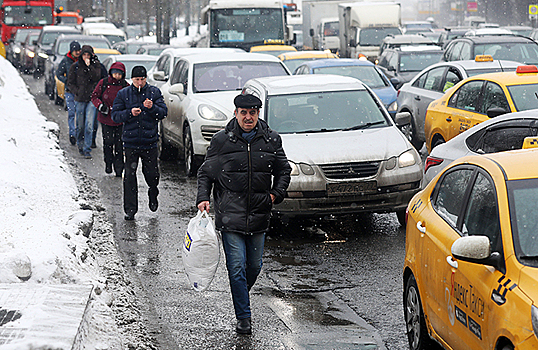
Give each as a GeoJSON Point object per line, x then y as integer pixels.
{"type": "Point", "coordinates": [365, 187]}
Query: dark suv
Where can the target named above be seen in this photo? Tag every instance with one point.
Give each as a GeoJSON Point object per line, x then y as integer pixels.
{"type": "Point", "coordinates": [500, 47]}
{"type": "Point", "coordinates": [44, 45]}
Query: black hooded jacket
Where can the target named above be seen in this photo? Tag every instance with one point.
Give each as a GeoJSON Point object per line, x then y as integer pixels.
{"type": "Point", "coordinates": [243, 177]}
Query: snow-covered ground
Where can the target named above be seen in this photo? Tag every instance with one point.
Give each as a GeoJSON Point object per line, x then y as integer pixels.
{"type": "Point", "coordinates": [53, 230]}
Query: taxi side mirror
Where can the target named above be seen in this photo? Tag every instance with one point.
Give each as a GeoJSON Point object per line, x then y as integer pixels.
{"type": "Point", "coordinates": [477, 250]}
{"type": "Point", "coordinates": [495, 112]}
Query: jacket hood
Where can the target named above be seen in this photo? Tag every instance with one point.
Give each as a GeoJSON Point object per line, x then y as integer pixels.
{"type": "Point", "coordinates": [117, 65]}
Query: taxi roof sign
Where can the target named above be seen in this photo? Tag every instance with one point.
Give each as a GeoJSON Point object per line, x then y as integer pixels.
{"type": "Point", "coordinates": [530, 142]}
{"type": "Point", "coordinates": [273, 41]}
{"type": "Point", "coordinates": [526, 69]}
{"type": "Point", "coordinates": [533, 9]}
{"type": "Point", "coordinates": [483, 58]}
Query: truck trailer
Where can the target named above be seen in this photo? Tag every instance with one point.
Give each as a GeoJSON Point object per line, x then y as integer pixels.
{"type": "Point", "coordinates": [364, 25]}
{"type": "Point", "coordinates": [320, 25]}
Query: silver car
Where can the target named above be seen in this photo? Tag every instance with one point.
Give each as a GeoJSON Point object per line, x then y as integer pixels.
{"type": "Point", "coordinates": [431, 84]}
{"type": "Point", "coordinates": [130, 61]}
{"type": "Point", "coordinates": [346, 153]}
{"type": "Point", "coordinates": [502, 133]}
{"type": "Point", "coordinates": [199, 96]}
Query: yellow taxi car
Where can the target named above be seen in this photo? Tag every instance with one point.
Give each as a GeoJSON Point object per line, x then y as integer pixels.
{"type": "Point", "coordinates": [274, 50]}
{"type": "Point", "coordinates": [476, 99]}
{"type": "Point", "coordinates": [471, 255]}
{"type": "Point", "coordinates": [292, 60]}
{"type": "Point", "coordinates": [101, 54]}
{"type": "Point", "coordinates": [2, 49]}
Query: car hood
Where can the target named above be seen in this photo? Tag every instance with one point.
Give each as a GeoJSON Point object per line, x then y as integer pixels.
{"type": "Point", "coordinates": [222, 100]}
{"type": "Point", "coordinates": [345, 146]}
{"type": "Point", "coordinates": [528, 283]}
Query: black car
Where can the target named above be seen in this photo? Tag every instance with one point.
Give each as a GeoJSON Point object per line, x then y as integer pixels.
{"type": "Point", "coordinates": [60, 48]}
{"type": "Point", "coordinates": [401, 64]}
{"type": "Point", "coordinates": [26, 57]}
{"type": "Point", "coordinates": [451, 33]}
{"type": "Point", "coordinates": [44, 45]}
{"type": "Point", "coordinates": [500, 47]}
{"type": "Point", "coordinates": [14, 49]}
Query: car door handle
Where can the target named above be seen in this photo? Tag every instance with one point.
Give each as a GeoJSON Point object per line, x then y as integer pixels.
{"type": "Point", "coordinates": [449, 119]}
{"type": "Point", "coordinates": [417, 98]}
{"type": "Point", "coordinates": [420, 227]}
{"type": "Point", "coordinates": [452, 262]}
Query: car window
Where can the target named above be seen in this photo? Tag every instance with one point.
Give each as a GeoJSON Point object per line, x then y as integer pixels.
{"type": "Point", "coordinates": [174, 79]}
{"type": "Point", "coordinates": [503, 139]}
{"type": "Point", "coordinates": [184, 76]}
{"type": "Point", "coordinates": [465, 53]}
{"type": "Point", "coordinates": [383, 60]}
{"type": "Point", "coordinates": [525, 97]}
{"type": "Point", "coordinates": [416, 61]}
{"type": "Point", "coordinates": [450, 196]}
{"type": "Point", "coordinates": [454, 53]}
{"type": "Point", "coordinates": [452, 78]}
{"type": "Point", "coordinates": [419, 83]}
{"type": "Point", "coordinates": [393, 61]}
{"type": "Point", "coordinates": [367, 74]}
{"type": "Point", "coordinates": [468, 96]}
{"type": "Point", "coordinates": [493, 98]}
{"type": "Point", "coordinates": [434, 79]}
{"type": "Point", "coordinates": [481, 216]}
{"type": "Point", "coordinates": [522, 196]}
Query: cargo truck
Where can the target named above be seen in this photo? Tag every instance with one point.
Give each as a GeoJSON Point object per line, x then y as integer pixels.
{"type": "Point", "coordinates": [15, 14]}
{"type": "Point", "coordinates": [320, 25]}
{"type": "Point", "coordinates": [243, 24]}
{"type": "Point", "coordinates": [364, 25]}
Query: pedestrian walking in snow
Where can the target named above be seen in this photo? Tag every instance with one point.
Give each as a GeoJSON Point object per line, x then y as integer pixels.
{"type": "Point", "coordinates": [63, 69]}
{"type": "Point", "coordinates": [139, 107]}
{"type": "Point", "coordinates": [248, 171]}
{"type": "Point", "coordinates": [82, 78]}
{"type": "Point", "coordinates": [103, 99]}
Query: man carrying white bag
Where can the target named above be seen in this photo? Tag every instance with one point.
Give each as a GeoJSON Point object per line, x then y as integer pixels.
{"type": "Point", "coordinates": [201, 251]}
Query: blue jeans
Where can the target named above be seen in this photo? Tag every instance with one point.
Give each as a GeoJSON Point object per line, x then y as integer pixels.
{"type": "Point", "coordinates": [70, 104]}
{"type": "Point", "coordinates": [244, 263]}
{"type": "Point", "coordinates": [86, 112]}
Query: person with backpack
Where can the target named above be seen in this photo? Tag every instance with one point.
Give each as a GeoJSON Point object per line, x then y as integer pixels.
{"type": "Point", "coordinates": [103, 99]}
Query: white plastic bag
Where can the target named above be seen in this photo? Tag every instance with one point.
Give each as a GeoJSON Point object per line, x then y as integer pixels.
{"type": "Point", "coordinates": [201, 251]}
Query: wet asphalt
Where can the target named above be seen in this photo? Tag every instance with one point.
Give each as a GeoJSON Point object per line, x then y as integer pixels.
{"type": "Point", "coordinates": [326, 283]}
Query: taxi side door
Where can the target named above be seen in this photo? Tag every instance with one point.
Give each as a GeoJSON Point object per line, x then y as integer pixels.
{"type": "Point", "coordinates": [464, 108]}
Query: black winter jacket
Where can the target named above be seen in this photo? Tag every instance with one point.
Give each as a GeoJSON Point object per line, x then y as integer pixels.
{"type": "Point", "coordinates": [82, 79]}
{"type": "Point", "coordinates": [243, 176]}
{"type": "Point", "coordinates": [141, 132]}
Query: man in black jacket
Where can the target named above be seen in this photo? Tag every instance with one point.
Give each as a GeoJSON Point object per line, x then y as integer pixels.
{"type": "Point", "coordinates": [63, 68]}
{"type": "Point", "coordinates": [139, 107]}
{"type": "Point", "coordinates": [247, 166]}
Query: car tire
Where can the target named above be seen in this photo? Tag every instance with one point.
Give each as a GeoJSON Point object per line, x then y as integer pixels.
{"type": "Point", "coordinates": [410, 132]}
{"type": "Point", "coordinates": [415, 323]}
{"type": "Point", "coordinates": [400, 214]}
{"type": "Point", "coordinates": [166, 150]}
{"type": "Point", "coordinates": [188, 153]}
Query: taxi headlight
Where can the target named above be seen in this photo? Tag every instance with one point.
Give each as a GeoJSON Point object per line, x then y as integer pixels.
{"type": "Point", "coordinates": [534, 318]}
{"type": "Point", "coordinates": [393, 107]}
{"type": "Point", "coordinates": [407, 159]}
{"type": "Point", "coordinates": [294, 168]}
{"type": "Point", "coordinates": [17, 50]}
{"type": "Point", "coordinates": [210, 113]}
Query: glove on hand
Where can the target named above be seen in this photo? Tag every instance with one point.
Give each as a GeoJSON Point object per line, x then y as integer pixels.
{"type": "Point", "coordinates": [103, 109]}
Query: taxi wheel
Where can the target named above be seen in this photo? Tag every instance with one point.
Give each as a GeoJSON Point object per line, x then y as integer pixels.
{"type": "Point", "coordinates": [417, 332]}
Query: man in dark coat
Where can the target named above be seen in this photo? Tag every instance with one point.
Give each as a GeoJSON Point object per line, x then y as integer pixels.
{"type": "Point", "coordinates": [139, 107]}
{"type": "Point", "coordinates": [63, 69]}
{"type": "Point", "coordinates": [82, 78]}
{"type": "Point", "coordinates": [103, 99]}
{"type": "Point", "coordinates": [248, 170]}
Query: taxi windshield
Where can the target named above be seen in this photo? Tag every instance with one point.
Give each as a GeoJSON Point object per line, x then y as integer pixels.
{"type": "Point", "coordinates": [525, 97]}
{"type": "Point", "coordinates": [523, 195]}
{"type": "Point", "coordinates": [324, 112]}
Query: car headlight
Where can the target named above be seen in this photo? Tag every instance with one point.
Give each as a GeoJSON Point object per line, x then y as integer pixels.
{"type": "Point", "coordinates": [211, 113]}
{"type": "Point", "coordinates": [294, 168]}
{"type": "Point", "coordinates": [407, 159]}
{"type": "Point", "coordinates": [306, 169]}
{"type": "Point", "coordinates": [43, 55]}
{"type": "Point", "coordinates": [17, 50]}
{"type": "Point", "coordinates": [393, 107]}
{"type": "Point", "coordinates": [534, 318]}
{"type": "Point", "coordinates": [31, 54]}
{"type": "Point", "coordinates": [391, 163]}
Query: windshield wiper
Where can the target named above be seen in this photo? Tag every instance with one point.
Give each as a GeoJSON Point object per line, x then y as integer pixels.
{"type": "Point", "coordinates": [529, 257]}
{"type": "Point", "coordinates": [364, 126]}
{"type": "Point", "coordinates": [315, 130]}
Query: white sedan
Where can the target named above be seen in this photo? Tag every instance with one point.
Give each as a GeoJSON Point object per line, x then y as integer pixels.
{"type": "Point", "coordinates": [502, 133]}
{"type": "Point", "coordinates": [199, 96]}
{"type": "Point", "coordinates": [346, 153]}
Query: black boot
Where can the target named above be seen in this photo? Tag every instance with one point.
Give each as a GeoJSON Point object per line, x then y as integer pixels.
{"type": "Point", "coordinates": [108, 168]}
{"type": "Point", "coordinates": [244, 326]}
{"type": "Point", "coordinates": [153, 202]}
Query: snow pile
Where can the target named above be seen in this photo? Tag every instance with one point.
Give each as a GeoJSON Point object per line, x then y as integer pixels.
{"type": "Point", "coordinates": [40, 239]}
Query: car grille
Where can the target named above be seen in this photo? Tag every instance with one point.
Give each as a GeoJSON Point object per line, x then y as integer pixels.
{"type": "Point", "coordinates": [350, 170]}
{"type": "Point", "coordinates": [209, 130]}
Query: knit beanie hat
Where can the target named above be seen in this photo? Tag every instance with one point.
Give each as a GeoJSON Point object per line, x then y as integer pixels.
{"type": "Point", "coordinates": [139, 72]}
